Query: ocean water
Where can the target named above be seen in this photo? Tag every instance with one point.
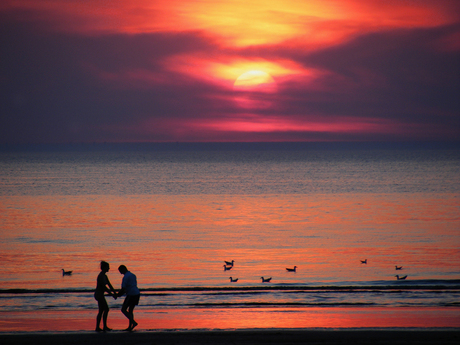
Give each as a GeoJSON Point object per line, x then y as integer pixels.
{"type": "Point", "coordinates": [173, 214]}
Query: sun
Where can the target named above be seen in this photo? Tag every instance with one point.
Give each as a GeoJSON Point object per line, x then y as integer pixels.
{"type": "Point", "coordinates": [255, 80]}
{"type": "Point", "coordinates": [254, 90]}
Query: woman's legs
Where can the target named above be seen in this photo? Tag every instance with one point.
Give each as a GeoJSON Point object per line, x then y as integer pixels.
{"type": "Point", "coordinates": [102, 314]}
{"type": "Point", "coordinates": [105, 315]}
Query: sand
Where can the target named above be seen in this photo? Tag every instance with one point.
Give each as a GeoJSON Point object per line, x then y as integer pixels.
{"type": "Point", "coordinates": [270, 336]}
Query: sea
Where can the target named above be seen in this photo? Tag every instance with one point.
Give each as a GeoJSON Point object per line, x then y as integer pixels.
{"type": "Point", "coordinates": [174, 213]}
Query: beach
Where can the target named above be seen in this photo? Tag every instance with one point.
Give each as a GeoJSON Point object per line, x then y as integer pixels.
{"type": "Point", "coordinates": [175, 217]}
{"type": "Point", "coordinates": [254, 336]}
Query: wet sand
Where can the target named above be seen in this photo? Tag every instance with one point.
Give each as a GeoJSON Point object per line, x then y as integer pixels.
{"type": "Point", "coordinates": [84, 320]}
{"type": "Point", "coordinates": [270, 336]}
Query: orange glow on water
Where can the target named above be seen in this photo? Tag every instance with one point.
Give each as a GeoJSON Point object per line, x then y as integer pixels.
{"type": "Point", "coordinates": [259, 233]}
{"type": "Point", "coordinates": [238, 318]}
{"type": "Point", "coordinates": [175, 240]}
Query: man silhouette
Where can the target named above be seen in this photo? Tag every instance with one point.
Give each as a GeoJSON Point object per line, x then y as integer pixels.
{"type": "Point", "coordinates": [129, 286]}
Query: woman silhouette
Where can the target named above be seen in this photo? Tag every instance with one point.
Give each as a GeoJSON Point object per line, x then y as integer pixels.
{"type": "Point", "coordinates": [103, 285]}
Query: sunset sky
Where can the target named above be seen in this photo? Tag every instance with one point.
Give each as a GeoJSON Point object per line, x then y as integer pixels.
{"type": "Point", "coordinates": [235, 70]}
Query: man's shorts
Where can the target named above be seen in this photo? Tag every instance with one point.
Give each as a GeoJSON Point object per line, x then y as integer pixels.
{"type": "Point", "coordinates": [132, 300]}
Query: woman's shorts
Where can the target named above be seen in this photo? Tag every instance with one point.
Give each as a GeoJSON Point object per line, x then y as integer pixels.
{"type": "Point", "coordinates": [101, 301]}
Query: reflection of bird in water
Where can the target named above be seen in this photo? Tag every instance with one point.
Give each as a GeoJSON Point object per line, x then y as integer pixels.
{"type": "Point", "coordinates": [229, 263]}
{"type": "Point", "coordinates": [364, 261]}
{"type": "Point", "coordinates": [291, 269]}
{"type": "Point", "coordinates": [66, 273]}
{"type": "Point", "coordinates": [266, 280]}
{"type": "Point", "coordinates": [398, 268]}
{"type": "Point", "coordinates": [227, 268]}
{"type": "Point", "coordinates": [233, 280]}
{"type": "Point", "coordinates": [400, 278]}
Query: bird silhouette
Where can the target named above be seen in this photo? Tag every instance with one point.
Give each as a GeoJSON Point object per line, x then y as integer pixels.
{"type": "Point", "coordinates": [364, 261]}
{"type": "Point", "coordinates": [266, 280]}
{"type": "Point", "coordinates": [66, 273]}
{"type": "Point", "coordinates": [227, 268]}
{"type": "Point", "coordinates": [233, 280]}
{"type": "Point", "coordinates": [400, 278]}
{"type": "Point", "coordinates": [291, 269]}
{"type": "Point", "coordinates": [229, 263]}
{"type": "Point", "coordinates": [398, 268]}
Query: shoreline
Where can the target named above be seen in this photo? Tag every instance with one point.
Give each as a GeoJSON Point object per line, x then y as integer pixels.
{"type": "Point", "coordinates": [242, 336]}
{"type": "Point", "coordinates": [288, 318]}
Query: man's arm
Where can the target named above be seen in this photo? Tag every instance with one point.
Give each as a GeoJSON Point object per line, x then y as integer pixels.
{"type": "Point", "coordinates": [121, 292]}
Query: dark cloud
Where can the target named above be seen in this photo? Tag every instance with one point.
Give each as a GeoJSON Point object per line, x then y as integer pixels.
{"type": "Point", "coordinates": [58, 87]}
{"type": "Point", "coordinates": [399, 74]}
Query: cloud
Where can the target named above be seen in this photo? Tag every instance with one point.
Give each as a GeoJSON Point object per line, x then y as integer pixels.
{"type": "Point", "coordinates": [399, 74]}
{"type": "Point", "coordinates": [397, 81]}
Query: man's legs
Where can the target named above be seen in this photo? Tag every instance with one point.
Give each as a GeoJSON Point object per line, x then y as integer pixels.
{"type": "Point", "coordinates": [131, 312]}
{"type": "Point", "coordinates": [128, 310]}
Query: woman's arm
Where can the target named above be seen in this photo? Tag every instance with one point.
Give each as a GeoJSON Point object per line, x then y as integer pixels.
{"type": "Point", "coordinates": [110, 288]}
{"type": "Point", "coordinates": [110, 285]}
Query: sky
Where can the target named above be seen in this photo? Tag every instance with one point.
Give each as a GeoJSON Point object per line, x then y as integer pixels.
{"type": "Point", "coordinates": [229, 71]}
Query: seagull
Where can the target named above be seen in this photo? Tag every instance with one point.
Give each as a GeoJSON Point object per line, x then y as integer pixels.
{"type": "Point", "coordinates": [266, 280]}
{"type": "Point", "coordinates": [364, 261]}
{"type": "Point", "coordinates": [291, 269]}
{"type": "Point", "coordinates": [233, 280]}
{"type": "Point", "coordinates": [66, 273]}
{"type": "Point", "coordinates": [398, 268]}
{"type": "Point", "coordinates": [229, 263]}
{"type": "Point", "coordinates": [227, 268]}
{"type": "Point", "coordinates": [400, 278]}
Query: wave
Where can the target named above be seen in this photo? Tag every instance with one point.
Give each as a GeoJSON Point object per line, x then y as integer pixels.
{"type": "Point", "coordinates": [426, 293]}
{"type": "Point", "coordinates": [425, 284]}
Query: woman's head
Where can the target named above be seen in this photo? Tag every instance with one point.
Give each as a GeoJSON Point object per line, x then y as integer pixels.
{"type": "Point", "coordinates": [105, 266]}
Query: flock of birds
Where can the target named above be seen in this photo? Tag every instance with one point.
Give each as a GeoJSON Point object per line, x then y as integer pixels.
{"type": "Point", "coordinates": [397, 268]}
{"type": "Point", "coordinates": [229, 265]}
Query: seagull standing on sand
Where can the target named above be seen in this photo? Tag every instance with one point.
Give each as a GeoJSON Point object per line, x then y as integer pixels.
{"type": "Point", "coordinates": [266, 280]}
{"type": "Point", "coordinates": [229, 263]}
{"type": "Point", "coordinates": [364, 261]}
{"type": "Point", "coordinates": [400, 278]}
{"type": "Point", "coordinates": [233, 280]}
{"type": "Point", "coordinates": [66, 273]}
{"type": "Point", "coordinates": [227, 268]}
{"type": "Point", "coordinates": [291, 269]}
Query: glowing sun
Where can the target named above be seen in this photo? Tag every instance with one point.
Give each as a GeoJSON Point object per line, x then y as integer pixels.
{"type": "Point", "coordinates": [254, 89]}
{"type": "Point", "coordinates": [255, 80]}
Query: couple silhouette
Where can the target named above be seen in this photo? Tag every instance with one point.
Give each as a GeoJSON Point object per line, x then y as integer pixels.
{"type": "Point", "coordinates": [128, 287]}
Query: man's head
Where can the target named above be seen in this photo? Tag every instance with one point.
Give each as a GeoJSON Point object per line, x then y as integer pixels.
{"type": "Point", "coordinates": [122, 269]}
